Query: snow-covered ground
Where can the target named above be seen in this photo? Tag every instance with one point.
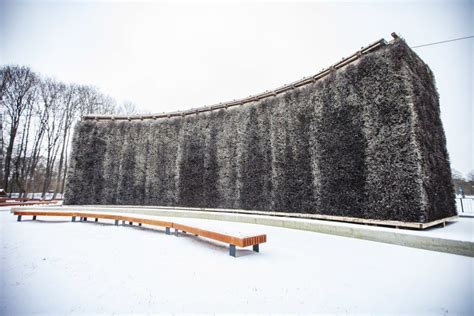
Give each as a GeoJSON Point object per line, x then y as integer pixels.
{"type": "Point", "coordinates": [461, 229]}
{"type": "Point", "coordinates": [60, 267]}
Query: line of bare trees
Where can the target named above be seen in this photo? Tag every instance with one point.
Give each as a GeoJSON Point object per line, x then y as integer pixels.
{"type": "Point", "coordinates": [38, 118]}
{"type": "Point", "coordinates": [463, 185]}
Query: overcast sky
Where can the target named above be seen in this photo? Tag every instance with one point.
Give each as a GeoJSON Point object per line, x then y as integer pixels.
{"type": "Point", "coordinates": [166, 57]}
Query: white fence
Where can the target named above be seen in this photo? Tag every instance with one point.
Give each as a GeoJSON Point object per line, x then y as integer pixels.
{"type": "Point", "coordinates": [465, 205]}
{"type": "Point", "coordinates": [38, 195]}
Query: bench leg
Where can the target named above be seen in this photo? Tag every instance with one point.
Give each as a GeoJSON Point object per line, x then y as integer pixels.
{"type": "Point", "coordinates": [167, 231]}
{"type": "Point", "coordinates": [96, 220]}
{"type": "Point", "coordinates": [73, 219]}
{"type": "Point", "coordinates": [176, 232]}
{"type": "Point", "coordinates": [116, 222]}
{"type": "Point", "coordinates": [130, 223]}
{"type": "Point", "coordinates": [256, 248]}
{"type": "Point", "coordinates": [34, 217]}
{"type": "Point", "coordinates": [19, 218]}
{"type": "Point", "coordinates": [139, 224]}
{"type": "Point", "coordinates": [232, 250]}
{"type": "Point", "coordinates": [85, 219]}
{"type": "Point", "coordinates": [123, 222]}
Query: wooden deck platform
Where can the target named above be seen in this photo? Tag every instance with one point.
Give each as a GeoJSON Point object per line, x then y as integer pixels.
{"type": "Point", "coordinates": [332, 218]}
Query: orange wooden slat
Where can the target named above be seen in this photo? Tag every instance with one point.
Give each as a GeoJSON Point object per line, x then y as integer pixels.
{"type": "Point", "coordinates": [210, 234]}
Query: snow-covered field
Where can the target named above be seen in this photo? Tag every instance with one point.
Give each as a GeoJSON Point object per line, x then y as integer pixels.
{"type": "Point", "coordinates": [60, 267]}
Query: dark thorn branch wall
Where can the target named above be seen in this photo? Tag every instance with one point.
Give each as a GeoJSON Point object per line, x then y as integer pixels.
{"type": "Point", "coordinates": [366, 141]}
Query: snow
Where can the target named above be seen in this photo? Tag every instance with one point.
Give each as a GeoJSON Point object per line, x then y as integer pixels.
{"type": "Point", "coordinates": [461, 229]}
{"type": "Point", "coordinates": [55, 266]}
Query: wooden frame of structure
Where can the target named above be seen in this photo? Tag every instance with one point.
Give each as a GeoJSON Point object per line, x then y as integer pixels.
{"type": "Point", "coordinates": [252, 98]}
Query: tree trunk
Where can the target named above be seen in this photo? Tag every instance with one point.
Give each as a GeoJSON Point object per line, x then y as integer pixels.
{"type": "Point", "coordinates": [65, 166]}
{"type": "Point", "coordinates": [47, 176]}
{"type": "Point", "coordinates": [8, 156]}
{"type": "Point", "coordinates": [61, 160]}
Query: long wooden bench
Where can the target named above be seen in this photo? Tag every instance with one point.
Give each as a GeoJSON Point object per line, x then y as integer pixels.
{"type": "Point", "coordinates": [233, 241]}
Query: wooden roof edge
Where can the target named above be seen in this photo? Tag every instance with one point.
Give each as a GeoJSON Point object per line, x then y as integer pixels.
{"type": "Point", "coordinates": [253, 98]}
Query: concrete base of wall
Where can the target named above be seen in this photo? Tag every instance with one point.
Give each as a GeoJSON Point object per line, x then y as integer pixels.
{"type": "Point", "coordinates": [415, 239]}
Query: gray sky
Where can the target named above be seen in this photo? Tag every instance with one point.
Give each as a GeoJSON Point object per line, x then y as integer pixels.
{"type": "Point", "coordinates": [166, 57]}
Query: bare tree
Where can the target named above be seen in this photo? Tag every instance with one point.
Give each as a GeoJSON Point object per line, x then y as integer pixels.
{"type": "Point", "coordinates": [21, 157]}
{"type": "Point", "coordinates": [470, 176]}
{"type": "Point", "coordinates": [40, 117]}
{"type": "Point", "coordinates": [107, 105]}
{"type": "Point", "coordinates": [457, 175]}
{"type": "Point", "coordinates": [71, 101]}
{"type": "Point", "coordinates": [40, 112]}
{"type": "Point", "coordinates": [51, 92]}
{"type": "Point", "coordinates": [128, 107]}
{"type": "Point", "coordinates": [18, 93]}
{"type": "Point", "coordinates": [90, 100]}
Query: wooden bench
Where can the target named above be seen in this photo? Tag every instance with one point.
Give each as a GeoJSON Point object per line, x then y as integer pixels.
{"type": "Point", "coordinates": [233, 241]}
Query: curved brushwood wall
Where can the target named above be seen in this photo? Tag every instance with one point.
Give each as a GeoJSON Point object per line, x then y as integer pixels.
{"type": "Point", "coordinates": [365, 141]}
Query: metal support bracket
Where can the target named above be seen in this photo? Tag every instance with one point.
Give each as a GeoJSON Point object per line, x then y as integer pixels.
{"type": "Point", "coordinates": [19, 218]}
{"type": "Point", "coordinates": [232, 250]}
{"type": "Point", "coordinates": [34, 217]}
{"type": "Point", "coordinates": [73, 219]}
{"type": "Point", "coordinates": [256, 248]}
{"type": "Point", "coordinates": [139, 224]}
{"type": "Point", "coordinates": [167, 231]}
{"type": "Point", "coordinates": [116, 222]}
{"type": "Point", "coordinates": [96, 220]}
